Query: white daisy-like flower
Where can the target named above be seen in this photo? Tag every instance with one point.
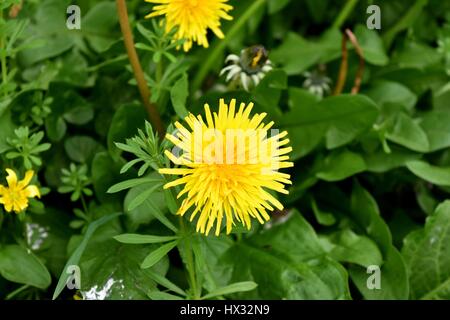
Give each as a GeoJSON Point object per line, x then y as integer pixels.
{"type": "Point", "coordinates": [317, 83]}
{"type": "Point", "coordinates": [249, 68]}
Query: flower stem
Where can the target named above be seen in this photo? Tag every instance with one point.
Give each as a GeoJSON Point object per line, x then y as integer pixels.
{"type": "Point", "coordinates": [189, 260]}
{"type": "Point", "coordinates": [220, 45]}
{"type": "Point", "coordinates": [83, 202]}
{"type": "Point", "coordinates": [345, 12]}
{"type": "Point", "coordinates": [359, 51]}
{"type": "Point", "coordinates": [342, 76]}
{"type": "Point", "coordinates": [152, 110]}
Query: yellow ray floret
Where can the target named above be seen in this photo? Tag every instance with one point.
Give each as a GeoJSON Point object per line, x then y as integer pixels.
{"type": "Point", "coordinates": [192, 18]}
{"type": "Point", "coordinates": [15, 195]}
{"type": "Point", "coordinates": [228, 163]}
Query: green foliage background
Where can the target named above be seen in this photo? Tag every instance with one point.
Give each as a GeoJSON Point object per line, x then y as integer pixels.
{"type": "Point", "coordinates": [371, 180]}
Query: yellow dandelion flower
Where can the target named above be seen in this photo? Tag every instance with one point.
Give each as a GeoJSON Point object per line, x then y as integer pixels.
{"type": "Point", "coordinates": [192, 18]}
{"type": "Point", "coordinates": [228, 165]}
{"type": "Point", "coordinates": [15, 195]}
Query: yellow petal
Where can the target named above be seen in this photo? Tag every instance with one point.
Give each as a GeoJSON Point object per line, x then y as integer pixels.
{"type": "Point", "coordinates": [11, 178]}
{"type": "Point", "coordinates": [26, 181]}
{"type": "Point", "coordinates": [32, 191]}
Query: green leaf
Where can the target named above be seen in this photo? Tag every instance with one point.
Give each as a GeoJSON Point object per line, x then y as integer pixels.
{"type": "Point", "coordinates": [267, 93]}
{"type": "Point", "coordinates": [140, 198]}
{"type": "Point", "coordinates": [7, 130]}
{"type": "Point", "coordinates": [381, 161]}
{"type": "Point", "coordinates": [111, 271]}
{"type": "Point", "coordinates": [127, 119]}
{"type": "Point", "coordinates": [130, 238]}
{"type": "Point", "coordinates": [153, 207]}
{"type": "Point", "coordinates": [295, 46]}
{"type": "Point", "coordinates": [437, 175]}
{"type": "Point", "coordinates": [340, 119]}
{"type": "Point", "coordinates": [81, 149]}
{"type": "Point", "coordinates": [393, 282]}
{"type": "Point", "coordinates": [408, 133]}
{"type": "Point", "coordinates": [76, 255]}
{"type": "Point", "coordinates": [100, 26]}
{"type": "Point", "coordinates": [159, 295]}
{"type": "Point", "coordinates": [436, 125]}
{"type": "Point", "coordinates": [365, 212]}
{"type": "Point", "coordinates": [232, 288]}
{"type": "Point", "coordinates": [128, 184]}
{"type": "Point", "coordinates": [371, 45]}
{"type": "Point", "coordinates": [155, 256]}
{"type": "Point", "coordinates": [20, 265]}
{"type": "Point", "coordinates": [324, 218]}
{"type": "Point", "coordinates": [179, 94]}
{"type": "Point", "coordinates": [348, 246]}
{"type": "Point", "coordinates": [427, 255]}
{"type": "Point", "coordinates": [341, 165]}
{"type": "Point", "coordinates": [79, 115]}
{"type": "Point", "coordinates": [277, 5]}
{"type": "Point", "coordinates": [159, 279]}
{"type": "Point", "coordinates": [287, 261]}
{"type": "Point", "coordinates": [392, 96]}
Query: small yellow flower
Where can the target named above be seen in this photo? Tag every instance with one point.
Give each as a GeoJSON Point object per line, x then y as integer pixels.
{"type": "Point", "coordinates": [15, 195]}
{"type": "Point", "coordinates": [193, 18]}
{"type": "Point", "coordinates": [228, 164]}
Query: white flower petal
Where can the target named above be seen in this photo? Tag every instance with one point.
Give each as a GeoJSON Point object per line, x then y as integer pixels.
{"type": "Point", "coordinates": [245, 80]}
{"type": "Point", "coordinates": [232, 57]}
{"type": "Point", "coordinates": [224, 70]}
{"type": "Point", "coordinates": [233, 73]}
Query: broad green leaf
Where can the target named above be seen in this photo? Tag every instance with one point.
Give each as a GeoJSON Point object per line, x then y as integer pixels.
{"type": "Point", "coordinates": [341, 165]}
{"type": "Point", "coordinates": [268, 92]}
{"type": "Point", "coordinates": [371, 45]}
{"type": "Point", "coordinates": [340, 118]}
{"type": "Point", "coordinates": [130, 238]}
{"type": "Point", "coordinates": [365, 212]}
{"type": "Point", "coordinates": [347, 246]}
{"type": "Point", "coordinates": [126, 121]}
{"type": "Point", "coordinates": [76, 255]}
{"type": "Point", "coordinates": [111, 271]}
{"type": "Point", "coordinates": [381, 161]}
{"type": "Point", "coordinates": [324, 218]}
{"type": "Point", "coordinates": [287, 261]}
{"type": "Point", "coordinates": [155, 256]}
{"type": "Point", "coordinates": [18, 264]}
{"type": "Point", "coordinates": [105, 172]}
{"type": "Point", "coordinates": [232, 288]}
{"type": "Point", "coordinates": [293, 47]}
{"type": "Point", "coordinates": [436, 125]}
{"type": "Point", "coordinates": [82, 149]}
{"type": "Point", "coordinates": [100, 26]}
{"type": "Point", "coordinates": [393, 283]}
{"type": "Point", "coordinates": [437, 175]}
{"type": "Point", "coordinates": [427, 255]}
{"type": "Point", "coordinates": [408, 133]}
{"type": "Point", "coordinates": [392, 96]}
{"type": "Point", "coordinates": [208, 251]}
